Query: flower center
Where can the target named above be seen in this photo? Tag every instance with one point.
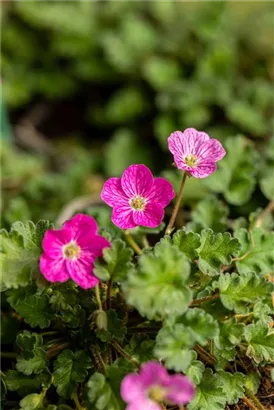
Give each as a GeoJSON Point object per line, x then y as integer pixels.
{"type": "Point", "coordinates": [71, 250]}
{"type": "Point", "coordinates": [191, 161]}
{"type": "Point", "coordinates": [157, 393]}
{"type": "Point", "coordinates": [138, 203]}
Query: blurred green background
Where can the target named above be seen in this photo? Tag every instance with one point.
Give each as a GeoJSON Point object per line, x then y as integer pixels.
{"type": "Point", "coordinates": [91, 87]}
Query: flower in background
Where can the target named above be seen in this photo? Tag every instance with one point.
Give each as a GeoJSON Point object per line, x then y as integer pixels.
{"type": "Point", "coordinates": [153, 385]}
{"type": "Point", "coordinates": [137, 198]}
{"type": "Point", "coordinates": [195, 152]}
{"type": "Point", "coordinates": [69, 253]}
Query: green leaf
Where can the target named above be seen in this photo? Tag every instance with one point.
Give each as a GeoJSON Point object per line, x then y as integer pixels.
{"type": "Point", "coordinates": [209, 213]}
{"type": "Point", "coordinates": [209, 393]}
{"type": "Point", "coordinates": [173, 345]}
{"type": "Point", "coordinates": [69, 370]}
{"type": "Point", "coordinates": [195, 371]}
{"type": "Point", "coordinates": [236, 172]}
{"type": "Point", "coordinates": [201, 325]}
{"type": "Point", "coordinates": [115, 328]}
{"type": "Point", "coordinates": [33, 358]}
{"type": "Point", "coordinates": [237, 292]}
{"type": "Point", "coordinates": [259, 245]}
{"type": "Point", "coordinates": [260, 341]}
{"type": "Point", "coordinates": [187, 242]}
{"type": "Point", "coordinates": [9, 328]}
{"type": "Point", "coordinates": [158, 287]}
{"type": "Point", "coordinates": [17, 381]}
{"type": "Point", "coordinates": [33, 307]}
{"type": "Point", "coordinates": [117, 262]}
{"type": "Point", "coordinates": [230, 335]}
{"type": "Point", "coordinates": [20, 252]}
{"type": "Point", "coordinates": [103, 392]}
{"type": "Point", "coordinates": [267, 184]}
{"type": "Point", "coordinates": [252, 382]}
{"type": "Point", "coordinates": [73, 316]}
{"type": "Point", "coordinates": [32, 401]}
{"type": "Point", "coordinates": [140, 347]}
{"type": "Point", "coordinates": [233, 385]}
{"type": "Point", "coordinates": [215, 250]}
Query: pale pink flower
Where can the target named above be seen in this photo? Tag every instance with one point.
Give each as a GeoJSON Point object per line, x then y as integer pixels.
{"type": "Point", "coordinates": [70, 252]}
{"type": "Point", "coordinates": [153, 385]}
{"type": "Point", "coordinates": [137, 198]}
{"type": "Point", "coordinates": [195, 152]}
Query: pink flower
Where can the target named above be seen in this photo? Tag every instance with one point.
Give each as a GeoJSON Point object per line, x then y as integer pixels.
{"type": "Point", "coordinates": [154, 385]}
{"type": "Point", "coordinates": [69, 253]}
{"type": "Point", "coordinates": [195, 152]}
{"type": "Point", "coordinates": [137, 198]}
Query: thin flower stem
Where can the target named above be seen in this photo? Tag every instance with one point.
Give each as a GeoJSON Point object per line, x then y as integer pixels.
{"type": "Point", "coordinates": [241, 257]}
{"type": "Point", "coordinates": [132, 243]}
{"type": "Point", "coordinates": [177, 206]}
{"type": "Point", "coordinates": [8, 355]}
{"type": "Point", "coordinates": [249, 403]}
{"type": "Point", "coordinates": [203, 300]}
{"type": "Point", "coordinates": [120, 350]}
{"type": "Point", "coordinates": [52, 352]}
{"type": "Point", "coordinates": [145, 242]}
{"type": "Point", "coordinates": [77, 403]}
{"type": "Point", "coordinates": [108, 301]}
{"type": "Point", "coordinates": [267, 210]}
{"type": "Point", "coordinates": [98, 360]}
{"type": "Point", "coordinates": [98, 297]}
{"type": "Point", "coordinates": [255, 400]}
{"type": "Point", "coordinates": [205, 355]}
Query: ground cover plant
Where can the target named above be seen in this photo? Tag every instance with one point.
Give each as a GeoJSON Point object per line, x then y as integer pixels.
{"type": "Point", "coordinates": [124, 307]}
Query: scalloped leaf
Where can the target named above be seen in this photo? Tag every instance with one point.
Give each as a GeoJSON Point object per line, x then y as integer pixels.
{"type": "Point", "coordinates": [260, 341]}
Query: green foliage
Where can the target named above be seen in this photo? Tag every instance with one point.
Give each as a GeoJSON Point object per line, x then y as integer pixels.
{"type": "Point", "coordinates": [117, 262]}
{"type": "Point", "coordinates": [148, 288]}
{"type": "Point", "coordinates": [188, 243]}
{"type": "Point", "coordinates": [33, 357]}
{"type": "Point", "coordinates": [237, 292]}
{"type": "Point", "coordinates": [69, 370]}
{"type": "Point", "coordinates": [233, 385]}
{"type": "Point", "coordinates": [20, 252]}
{"type": "Point", "coordinates": [215, 250]}
{"type": "Point", "coordinates": [257, 249]}
{"type": "Point", "coordinates": [260, 341]}
{"type": "Point", "coordinates": [17, 381]}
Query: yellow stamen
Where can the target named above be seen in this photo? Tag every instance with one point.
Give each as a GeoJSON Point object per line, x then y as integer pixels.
{"type": "Point", "coordinates": [138, 203]}
{"type": "Point", "coordinates": [71, 250]}
{"type": "Point", "coordinates": [191, 161]}
{"type": "Point", "coordinates": [157, 393]}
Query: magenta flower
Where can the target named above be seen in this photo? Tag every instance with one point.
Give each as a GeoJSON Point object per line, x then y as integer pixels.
{"type": "Point", "coordinates": [153, 385]}
{"type": "Point", "coordinates": [195, 152]}
{"type": "Point", "coordinates": [69, 253]}
{"type": "Point", "coordinates": [137, 198]}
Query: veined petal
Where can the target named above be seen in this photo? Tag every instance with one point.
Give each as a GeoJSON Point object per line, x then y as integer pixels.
{"type": "Point", "coordinates": [54, 270]}
{"type": "Point", "coordinates": [81, 271]}
{"type": "Point", "coordinates": [137, 180]}
{"type": "Point", "coordinates": [162, 192]}
{"type": "Point", "coordinates": [80, 224]}
{"type": "Point", "coordinates": [112, 193]}
{"type": "Point", "coordinates": [150, 217]}
{"type": "Point", "coordinates": [54, 241]}
{"type": "Point", "coordinates": [93, 244]}
{"type": "Point", "coordinates": [132, 387]}
{"type": "Point", "coordinates": [184, 143]}
{"type": "Point", "coordinates": [180, 390]}
{"type": "Point", "coordinates": [122, 216]}
{"type": "Point", "coordinates": [153, 373]}
{"type": "Point", "coordinates": [211, 150]}
{"type": "Point", "coordinates": [203, 169]}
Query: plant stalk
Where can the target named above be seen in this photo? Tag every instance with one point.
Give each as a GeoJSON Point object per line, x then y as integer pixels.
{"type": "Point", "coordinates": [120, 350]}
{"type": "Point", "coordinates": [169, 227]}
{"type": "Point", "coordinates": [76, 401]}
{"type": "Point", "coordinates": [98, 297]}
{"type": "Point", "coordinates": [132, 243]}
{"type": "Point", "coordinates": [255, 400]}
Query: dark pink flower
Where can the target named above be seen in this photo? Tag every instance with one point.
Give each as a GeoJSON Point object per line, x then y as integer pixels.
{"type": "Point", "coordinates": [154, 385]}
{"type": "Point", "coordinates": [69, 253]}
{"type": "Point", "coordinates": [137, 198]}
{"type": "Point", "coordinates": [195, 152]}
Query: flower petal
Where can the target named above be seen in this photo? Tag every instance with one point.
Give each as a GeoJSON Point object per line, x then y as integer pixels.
{"type": "Point", "coordinates": [93, 244]}
{"type": "Point", "coordinates": [112, 193]}
{"type": "Point", "coordinates": [132, 388]}
{"type": "Point", "coordinates": [54, 270]}
{"type": "Point", "coordinates": [180, 390]}
{"type": "Point", "coordinates": [81, 271]}
{"type": "Point", "coordinates": [54, 241]}
{"type": "Point", "coordinates": [79, 224]}
{"type": "Point", "coordinates": [151, 216]}
{"type": "Point", "coordinates": [203, 169]}
{"type": "Point", "coordinates": [122, 216]}
{"type": "Point", "coordinates": [153, 373]}
{"type": "Point", "coordinates": [211, 150]}
{"type": "Point", "coordinates": [162, 192]}
{"type": "Point", "coordinates": [137, 180]}
{"type": "Point", "coordinates": [144, 404]}
{"type": "Point", "coordinates": [183, 143]}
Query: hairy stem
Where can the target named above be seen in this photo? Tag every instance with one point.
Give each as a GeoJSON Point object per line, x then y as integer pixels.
{"type": "Point", "coordinates": [122, 352]}
{"type": "Point", "coordinates": [132, 243]}
{"type": "Point", "coordinates": [255, 400]}
{"type": "Point", "coordinates": [52, 352]}
{"type": "Point", "coordinates": [108, 300]}
{"type": "Point", "coordinates": [98, 360]}
{"type": "Point", "coordinates": [205, 355]}
{"type": "Point", "coordinates": [98, 297]}
{"type": "Point", "coordinates": [169, 227]}
{"type": "Point", "coordinates": [203, 300]}
{"type": "Point", "coordinates": [76, 401]}
{"type": "Point", "coordinates": [8, 355]}
{"type": "Point", "coordinates": [249, 403]}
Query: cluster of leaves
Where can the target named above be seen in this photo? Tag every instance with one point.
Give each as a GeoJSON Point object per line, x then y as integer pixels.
{"type": "Point", "coordinates": [198, 301]}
